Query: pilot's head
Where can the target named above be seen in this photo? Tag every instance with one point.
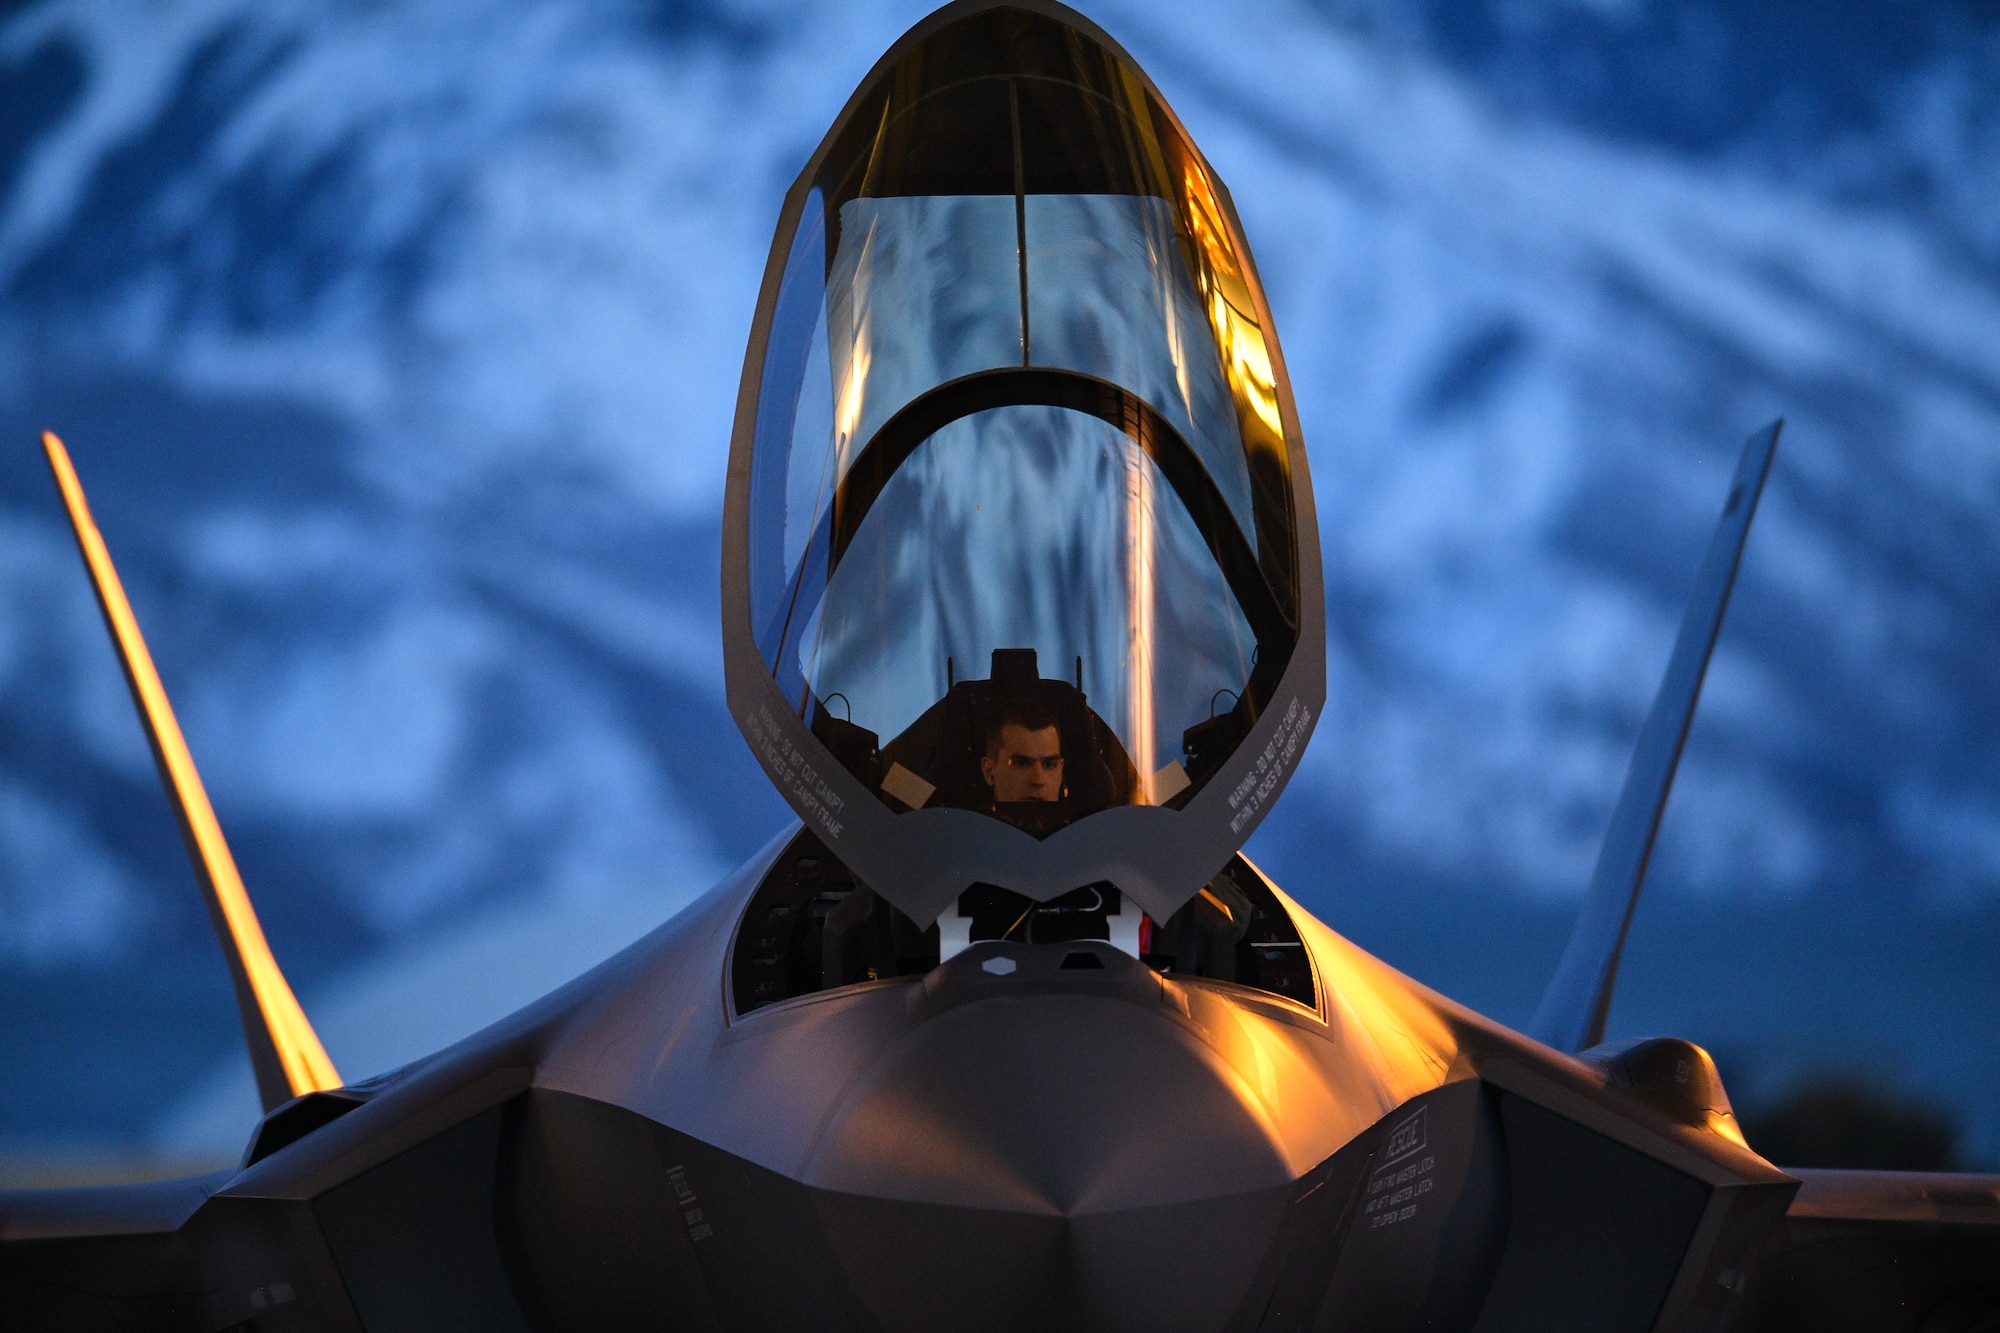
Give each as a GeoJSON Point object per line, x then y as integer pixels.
{"type": "Point", "coordinates": [1024, 759]}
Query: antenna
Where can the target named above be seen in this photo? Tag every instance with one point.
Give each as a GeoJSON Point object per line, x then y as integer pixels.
{"type": "Point", "coordinates": [1573, 1011]}
{"type": "Point", "coordinates": [285, 1052]}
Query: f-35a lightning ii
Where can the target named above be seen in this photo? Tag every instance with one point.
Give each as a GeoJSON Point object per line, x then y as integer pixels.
{"type": "Point", "coordinates": [1023, 615]}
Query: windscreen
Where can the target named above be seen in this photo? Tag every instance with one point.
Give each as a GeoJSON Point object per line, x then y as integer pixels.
{"type": "Point", "coordinates": [1019, 489]}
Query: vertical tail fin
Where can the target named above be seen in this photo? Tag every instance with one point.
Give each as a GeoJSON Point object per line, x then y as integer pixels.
{"type": "Point", "coordinates": [1572, 1013]}
{"type": "Point", "coordinates": [285, 1052]}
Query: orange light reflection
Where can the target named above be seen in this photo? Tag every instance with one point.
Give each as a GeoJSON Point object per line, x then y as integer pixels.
{"type": "Point", "coordinates": [1139, 618]}
{"type": "Point", "coordinates": [1246, 360]}
{"type": "Point", "coordinates": [302, 1059]}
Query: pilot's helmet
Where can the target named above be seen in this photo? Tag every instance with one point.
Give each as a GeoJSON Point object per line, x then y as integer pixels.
{"type": "Point", "coordinates": [1015, 435]}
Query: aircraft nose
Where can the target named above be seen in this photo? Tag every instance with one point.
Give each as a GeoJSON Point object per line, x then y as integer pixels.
{"type": "Point", "coordinates": [1056, 1078]}
{"type": "Point", "coordinates": [1057, 1137]}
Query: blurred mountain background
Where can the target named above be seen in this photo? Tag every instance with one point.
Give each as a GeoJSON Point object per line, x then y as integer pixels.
{"type": "Point", "coordinates": [397, 346]}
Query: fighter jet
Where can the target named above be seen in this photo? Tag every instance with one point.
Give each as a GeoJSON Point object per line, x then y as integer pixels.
{"type": "Point", "coordinates": [1023, 615]}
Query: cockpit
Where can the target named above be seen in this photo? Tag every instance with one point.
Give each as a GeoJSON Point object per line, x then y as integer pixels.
{"type": "Point", "coordinates": [1021, 445]}
{"type": "Point", "coordinates": [1018, 531]}
{"type": "Point", "coordinates": [812, 927]}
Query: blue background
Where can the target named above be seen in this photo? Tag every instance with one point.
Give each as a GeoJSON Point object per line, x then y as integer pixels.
{"type": "Point", "coordinates": [397, 347]}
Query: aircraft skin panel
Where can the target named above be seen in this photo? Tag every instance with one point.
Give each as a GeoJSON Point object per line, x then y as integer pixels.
{"type": "Point", "coordinates": [1941, 1198]}
{"type": "Point", "coordinates": [775, 1086]}
{"type": "Point", "coordinates": [106, 1210]}
{"type": "Point", "coordinates": [1861, 1251]}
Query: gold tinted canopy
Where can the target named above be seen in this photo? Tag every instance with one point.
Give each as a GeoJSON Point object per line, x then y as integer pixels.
{"type": "Point", "coordinates": [1018, 437]}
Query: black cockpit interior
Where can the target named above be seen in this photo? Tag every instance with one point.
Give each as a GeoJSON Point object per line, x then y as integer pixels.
{"type": "Point", "coordinates": [812, 926]}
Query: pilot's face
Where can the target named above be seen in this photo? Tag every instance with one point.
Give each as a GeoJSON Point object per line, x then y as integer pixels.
{"type": "Point", "coordinates": [1028, 767]}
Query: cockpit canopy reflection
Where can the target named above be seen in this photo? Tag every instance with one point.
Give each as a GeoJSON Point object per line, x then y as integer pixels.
{"type": "Point", "coordinates": [1017, 443]}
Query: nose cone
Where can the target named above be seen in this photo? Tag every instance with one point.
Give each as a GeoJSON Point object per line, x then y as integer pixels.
{"type": "Point", "coordinates": [1055, 1145]}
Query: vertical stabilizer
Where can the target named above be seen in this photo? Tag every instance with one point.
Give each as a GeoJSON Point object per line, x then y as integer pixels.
{"type": "Point", "coordinates": [285, 1052]}
{"type": "Point", "coordinates": [1573, 1011]}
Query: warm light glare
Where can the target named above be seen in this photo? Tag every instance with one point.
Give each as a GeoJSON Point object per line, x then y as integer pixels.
{"type": "Point", "coordinates": [1723, 1124]}
{"type": "Point", "coordinates": [1204, 212]}
{"type": "Point", "coordinates": [304, 1061]}
{"type": "Point", "coordinates": [848, 416]}
{"type": "Point", "coordinates": [1246, 361]}
{"type": "Point", "coordinates": [1139, 617]}
{"type": "Point", "coordinates": [854, 384]}
{"type": "Point", "coordinates": [1402, 1039]}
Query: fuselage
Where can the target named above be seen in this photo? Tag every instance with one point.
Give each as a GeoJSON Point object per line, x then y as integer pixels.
{"type": "Point", "coordinates": [1059, 1143]}
{"type": "Point", "coordinates": [1078, 1140]}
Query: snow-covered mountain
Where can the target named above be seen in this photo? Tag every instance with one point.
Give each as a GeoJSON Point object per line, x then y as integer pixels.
{"type": "Point", "coordinates": [397, 345]}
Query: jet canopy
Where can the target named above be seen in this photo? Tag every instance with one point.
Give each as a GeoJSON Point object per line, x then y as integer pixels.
{"type": "Point", "coordinates": [1018, 453]}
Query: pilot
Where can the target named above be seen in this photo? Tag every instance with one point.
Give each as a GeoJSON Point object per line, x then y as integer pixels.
{"type": "Point", "coordinates": [1024, 758]}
